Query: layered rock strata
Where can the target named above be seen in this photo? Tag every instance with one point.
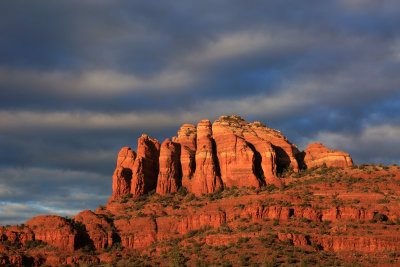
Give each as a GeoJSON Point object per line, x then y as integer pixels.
{"type": "Point", "coordinates": [317, 154]}
{"type": "Point", "coordinates": [204, 159]}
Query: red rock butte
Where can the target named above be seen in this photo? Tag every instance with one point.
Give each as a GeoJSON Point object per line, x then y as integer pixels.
{"type": "Point", "coordinates": [210, 157]}
{"type": "Point", "coordinates": [217, 193]}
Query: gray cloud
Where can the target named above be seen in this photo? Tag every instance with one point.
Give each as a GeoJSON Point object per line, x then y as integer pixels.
{"type": "Point", "coordinates": [79, 80]}
{"type": "Point", "coordinates": [28, 192]}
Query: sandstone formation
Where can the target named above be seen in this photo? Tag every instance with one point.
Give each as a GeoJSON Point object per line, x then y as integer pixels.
{"type": "Point", "coordinates": [316, 155]}
{"type": "Point", "coordinates": [239, 164]}
{"type": "Point", "coordinates": [123, 173]}
{"type": "Point", "coordinates": [204, 159]}
{"type": "Point", "coordinates": [207, 177]}
{"type": "Point", "coordinates": [286, 152]}
{"type": "Point", "coordinates": [100, 231]}
{"type": "Point", "coordinates": [16, 234]}
{"type": "Point", "coordinates": [169, 177]}
{"type": "Point", "coordinates": [187, 136]}
{"type": "Point", "coordinates": [145, 168]}
{"type": "Point", "coordinates": [55, 230]}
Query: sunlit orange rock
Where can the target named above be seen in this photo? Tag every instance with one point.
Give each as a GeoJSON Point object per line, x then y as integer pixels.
{"type": "Point", "coordinates": [238, 163]}
{"type": "Point", "coordinates": [55, 230]}
{"type": "Point", "coordinates": [317, 155]}
{"type": "Point", "coordinates": [207, 177]}
{"type": "Point", "coordinates": [100, 231]}
{"type": "Point", "coordinates": [123, 173]}
{"type": "Point", "coordinates": [145, 168]}
{"type": "Point", "coordinates": [169, 177]}
{"type": "Point", "coordinates": [16, 234]}
{"type": "Point", "coordinates": [187, 135]}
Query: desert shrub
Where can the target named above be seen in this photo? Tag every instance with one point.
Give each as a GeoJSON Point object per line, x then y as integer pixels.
{"type": "Point", "coordinates": [240, 206]}
{"type": "Point", "coordinates": [379, 217]}
{"type": "Point", "coordinates": [182, 191]}
{"type": "Point", "coordinates": [272, 263]}
{"type": "Point", "coordinates": [141, 214]}
{"type": "Point", "coordinates": [34, 244]}
{"type": "Point", "coordinates": [383, 201]}
{"type": "Point", "coordinates": [177, 259]}
{"type": "Point", "coordinates": [216, 195]}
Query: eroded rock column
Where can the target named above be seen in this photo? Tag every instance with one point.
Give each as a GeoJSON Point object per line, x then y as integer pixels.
{"type": "Point", "coordinates": [206, 178]}
{"type": "Point", "coordinates": [145, 168]}
{"type": "Point", "coordinates": [169, 177]}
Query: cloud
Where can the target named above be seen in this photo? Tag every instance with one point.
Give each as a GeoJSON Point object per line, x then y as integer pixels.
{"type": "Point", "coordinates": [80, 79]}
{"type": "Point", "coordinates": [36, 120]}
{"type": "Point", "coordinates": [17, 213]}
{"type": "Point", "coordinates": [28, 192]}
{"type": "Point", "coordinates": [103, 82]}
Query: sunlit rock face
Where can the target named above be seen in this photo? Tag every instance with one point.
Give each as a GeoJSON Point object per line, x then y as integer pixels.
{"type": "Point", "coordinates": [208, 157]}
{"type": "Point", "coordinates": [317, 155]}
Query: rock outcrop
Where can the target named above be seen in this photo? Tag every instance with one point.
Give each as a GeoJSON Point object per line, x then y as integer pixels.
{"type": "Point", "coordinates": [207, 176]}
{"type": "Point", "coordinates": [16, 234]}
{"type": "Point", "coordinates": [169, 177]}
{"type": "Point", "coordinates": [228, 153]}
{"type": "Point", "coordinates": [145, 168]}
{"type": "Point", "coordinates": [239, 164]}
{"type": "Point", "coordinates": [187, 138]}
{"type": "Point", "coordinates": [123, 173]}
{"type": "Point", "coordinates": [55, 230]}
{"type": "Point", "coordinates": [100, 231]}
{"type": "Point", "coordinates": [317, 155]}
{"type": "Point", "coordinates": [286, 153]}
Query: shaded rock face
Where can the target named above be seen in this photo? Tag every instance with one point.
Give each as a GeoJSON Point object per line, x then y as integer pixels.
{"type": "Point", "coordinates": [316, 155]}
{"type": "Point", "coordinates": [285, 152]}
{"type": "Point", "coordinates": [207, 176]}
{"type": "Point", "coordinates": [169, 177]}
{"type": "Point", "coordinates": [100, 231]}
{"type": "Point", "coordinates": [145, 168]}
{"type": "Point", "coordinates": [16, 234]}
{"type": "Point", "coordinates": [187, 138]}
{"type": "Point", "coordinates": [123, 173]}
{"type": "Point", "coordinates": [55, 230]}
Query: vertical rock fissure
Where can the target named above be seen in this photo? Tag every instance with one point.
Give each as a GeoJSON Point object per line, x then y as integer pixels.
{"type": "Point", "coordinates": [257, 169]}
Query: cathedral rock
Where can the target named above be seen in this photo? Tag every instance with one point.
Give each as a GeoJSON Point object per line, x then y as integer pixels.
{"type": "Point", "coordinates": [212, 156]}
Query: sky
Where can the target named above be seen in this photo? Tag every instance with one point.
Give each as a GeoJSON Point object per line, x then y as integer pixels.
{"type": "Point", "coordinates": [81, 79]}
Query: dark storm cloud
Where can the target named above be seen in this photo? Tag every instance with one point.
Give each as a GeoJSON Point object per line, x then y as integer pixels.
{"type": "Point", "coordinates": [81, 79]}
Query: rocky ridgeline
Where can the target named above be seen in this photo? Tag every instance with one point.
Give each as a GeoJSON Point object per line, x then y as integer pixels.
{"type": "Point", "coordinates": [210, 157]}
{"type": "Point", "coordinates": [230, 185]}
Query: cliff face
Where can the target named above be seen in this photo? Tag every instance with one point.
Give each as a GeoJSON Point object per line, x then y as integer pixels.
{"type": "Point", "coordinates": [207, 158]}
